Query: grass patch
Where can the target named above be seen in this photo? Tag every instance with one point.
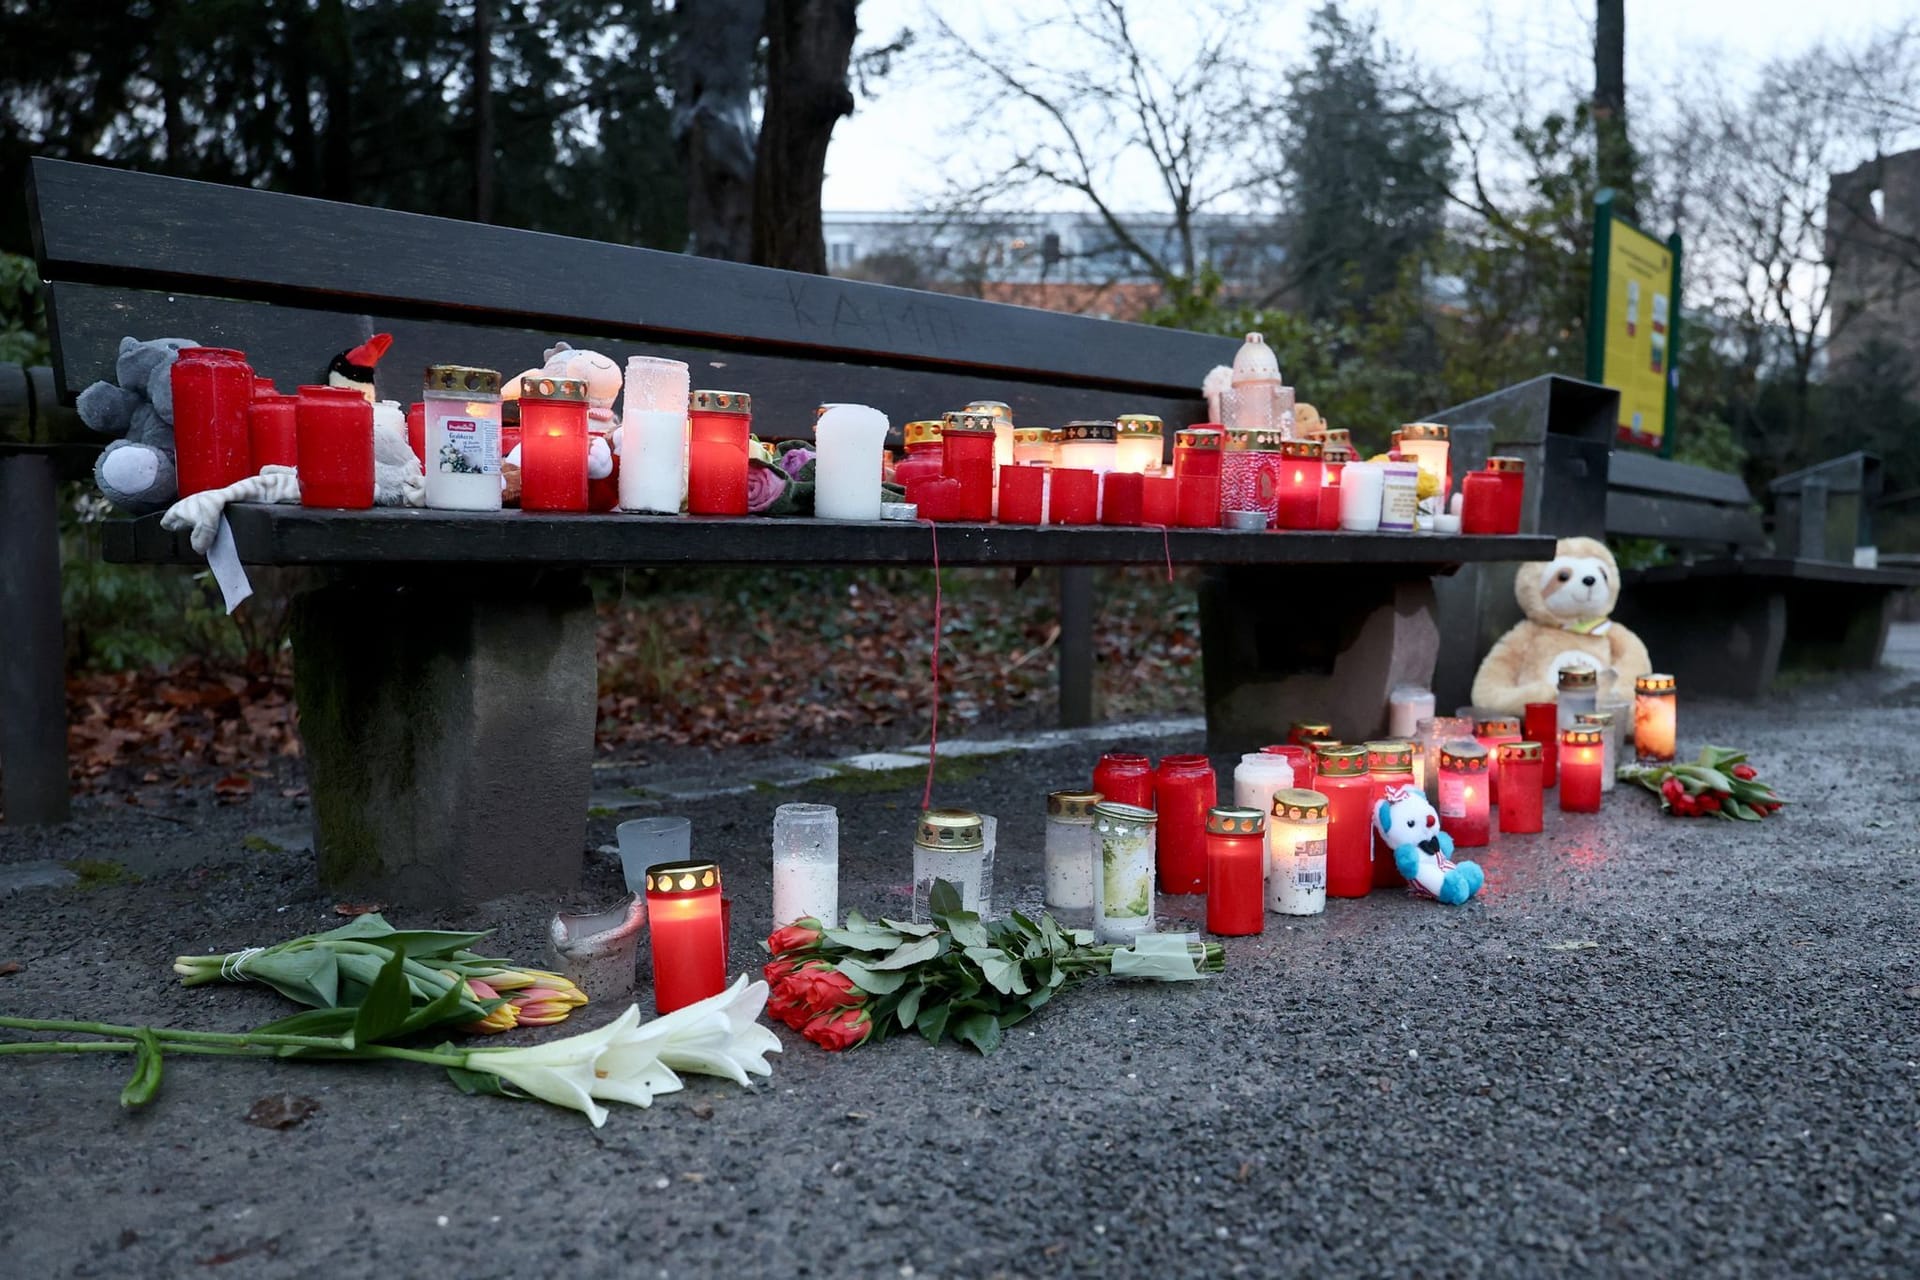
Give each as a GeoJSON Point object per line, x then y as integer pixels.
{"type": "Point", "coordinates": [257, 843]}
{"type": "Point", "coordinates": [98, 873]}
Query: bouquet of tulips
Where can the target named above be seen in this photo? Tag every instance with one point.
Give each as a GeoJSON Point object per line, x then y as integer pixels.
{"type": "Point", "coordinates": [960, 976]}
{"type": "Point", "coordinates": [336, 969]}
{"type": "Point", "coordinates": [1718, 783]}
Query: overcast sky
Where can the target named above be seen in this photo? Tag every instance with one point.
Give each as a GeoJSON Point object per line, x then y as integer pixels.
{"type": "Point", "coordinates": [887, 154]}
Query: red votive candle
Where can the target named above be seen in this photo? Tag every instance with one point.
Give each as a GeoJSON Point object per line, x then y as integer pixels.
{"type": "Point", "coordinates": [1022, 493]}
{"type": "Point", "coordinates": [335, 430]}
{"type": "Point", "coordinates": [1389, 764]}
{"type": "Point", "coordinates": [1076, 496]}
{"type": "Point", "coordinates": [924, 454]}
{"type": "Point", "coordinates": [553, 444]}
{"type": "Point", "coordinates": [718, 424]}
{"type": "Point", "coordinates": [1340, 774]}
{"type": "Point", "coordinates": [1304, 733]}
{"type": "Point", "coordinates": [1121, 501]}
{"type": "Point", "coordinates": [1463, 793]}
{"type": "Point", "coordinates": [1491, 732]}
{"type": "Point", "coordinates": [967, 457]}
{"type": "Point", "coordinates": [1301, 490]}
{"type": "Point", "coordinates": [1513, 491]}
{"type": "Point", "coordinates": [1582, 758]}
{"type": "Point", "coordinates": [1520, 804]}
{"type": "Point", "coordinates": [212, 390]}
{"type": "Point", "coordinates": [688, 934]}
{"type": "Point", "coordinates": [1540, 721]}
{"type": "Point", "coordinates": [1481, 495]}
{"type": "Point", "coordinates": [1299, 757]}
{"type": "Point", "coordinates": [1158, 502]}
{"type": "Point", "coordinates": [1124, 778]}
{"type": "Point", "coordinates": [1196, 477]}
{"type": "Point", "coordinates": [263, 387]}
{"type": "Point", "coordinates": [417, 432]}
{"type": "Point", "coordinates": [1250, 473]}
{"type": "Point", "coordinates": [1329, 506]}
{"type": "Point", "coordinates": [937, 500]}
{"type": "Point", "coordinates": [1184, 789]}
{"type": "Point", "coordinates": [1236, 871]}
{"type": "Point", "coordinates": [273, 440]}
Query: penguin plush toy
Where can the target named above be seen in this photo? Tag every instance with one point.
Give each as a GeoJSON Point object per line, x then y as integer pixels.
{"type": "Point", "coordinates": [354, 367]}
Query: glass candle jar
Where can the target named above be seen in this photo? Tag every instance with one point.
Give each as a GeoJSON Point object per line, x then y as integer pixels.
{"type": "Point", "coordinates": [1389, 765]}
{"type": "Point", "coordinates": [951, 845]}
{"type": "Point", "coordinates": [1463, 803]}
{"type": "Point", "coordinates": [1184, 789]}
{"type": "Point", "coordinates": [1159, 500]}
{"type": "Point", "coordinates": [850, 439]}
{"type": "Point", "coordinates": [648, 842]}
{"type": "Point", "coordinates": [1140, 443]}
{"type": "Point", "coordinates": [273, 440]}
{"type": "Point", "coordinates": [463, 438]}
{"type": "Point", "coordinates": [1578, 694]}
{"type": "Point", "coordinates": [806, 864]}
{"type": "Point", "coordinates": [1582, 759]}
{"type": "Point", "coordinates": [1540, 721]}
{"type": "Point", "coordinates": [212, 391]}
{"type": "Point", "coordinates": [1258, 776]}
{"type": "Point", "coordinates": [1125, 778]}
{"type": "Point", "coordinates": [1070, 854]}
{"type": "Point", "coordinates": [1407, 706]}
{"type": "Point", "coordinates": [1123, 892]}
{"type": "Point", "coordinates": [720, 430]}
{"type": "Point", "coordinates": [688, 934]}
{"type": "Point", "coordinates": [1362, 493]}
{"type": "Point", "coordinates": [1250, 472]}
{"type": "Point", "coordinates": [1340, 774]}
{"type": "Point", "coordinates": [1121, 498]}
{"type": "Point", "coordinates": [653, 435]}
{"type": "Point", "coordinates": [1654, 721]}
{"type": "Point", "coordinates": [1482, 496]}
{"type": "Point", "coordinates": [1236, 871]}
{"type": "Point", "coordinates": [1610, 743]}
{"type": "Point", "coordinates": [1305, 733]}
{"type": "Point", "coordinates": [1196, 477]}
{"type": "Point", "coordinates": [553, 444]}
{"type": "Point", "coordinates": [1491, 732]}
{"type": "Point", "coordinates": [334, 429]}
{"type": "Point", "coordinates": [1074, 496]}
{"type": "Point", "coordinates": [1429, 735]}
{"type": "Point", "coordinates": [1297, 504]}
{"type": "Point", "coordinates": [1429, 445]}
{"type": "Point", "coordinates": [924, 453]}
{"type": "Point", "coordinates": [1522, 771]}
{"type": "Point", "coordinates": [1023, 494]}
{"type": "Point", "coordinates": [968, 443]}
{"type": "Point", "coordinates": [1399, 498]}
{"type": "Point", "coordinates": [1032, 447]}
{"type": "Point", "coordinates": [1089, 446]}
{"type": "Point", "coordinates": [1002, 415]}
{"type": "Point", "coordinates": [1513, 481]}
{"type": "Point", "coordinates": [1299, 757]}
{"type": "Point", "coordinates": [1297, 857]}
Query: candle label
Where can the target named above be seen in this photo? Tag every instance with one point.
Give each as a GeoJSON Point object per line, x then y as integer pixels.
{"type": "Point", "coordinates": [1310, 864]}
{"type": "Point", "coordinates": [1453, 797]}
{"type": "Point", "coordinates": [469, 450]}
{"type": "Point", "coordinates": [1401, 502]}
{"type": "Point", "coordinates": [1126, 879]}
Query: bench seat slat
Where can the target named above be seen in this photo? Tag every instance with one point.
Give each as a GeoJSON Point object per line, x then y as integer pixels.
{"type": "Point", "coordinates": [1639, 515]}
{"type": "Point", "coordinates": [143, 230]}
{"type": "Point", "coordinates": [290, 535]}
{"type": "Point", "coordinates": [1777, 567]}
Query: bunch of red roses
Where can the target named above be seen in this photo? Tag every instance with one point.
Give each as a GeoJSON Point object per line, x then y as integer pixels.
{"type": "Point", "coordinates": [1719, 783]}
{"type": "Point", "coordinates": [956, 977]}
{"type": "Point", "coordinates": [809, 994]}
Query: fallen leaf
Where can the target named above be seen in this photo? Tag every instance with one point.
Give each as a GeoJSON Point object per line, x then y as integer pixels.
{"type": "Point", "coordinates": [234, 787]}
{"type": "Point", "coordinates": [702, 1110]}
{"type": "Point", "coordinates": [358, 908]}
{"type": "Point", "coordinates": [10, 967]}
{"type": "Point", "coordinates": [281, 1111]}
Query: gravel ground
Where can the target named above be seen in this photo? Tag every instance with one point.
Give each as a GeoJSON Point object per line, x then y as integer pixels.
{"type": "Point", "coordinates": [1656, 1046]}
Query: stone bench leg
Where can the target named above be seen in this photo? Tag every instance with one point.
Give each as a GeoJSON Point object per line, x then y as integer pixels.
{"type": "Point", "coordinates": [1836, 625]}
{"type": "Point", "coordinates": [1718, 636]}
{"type": "Point", "coordinates": [448, 723]}
{"type": "Point", "coordinates": [1319, 642]}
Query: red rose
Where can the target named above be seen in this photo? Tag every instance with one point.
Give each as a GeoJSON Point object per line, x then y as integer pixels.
{"type": "Point", "coordinates": [1672, 789]}
{"type": "Point", "coordinates": [1686, 806]}
{"type": "Point", "coordinates": [1709, 803]}
{"type": "Point", "coordinates": [820, 987]}
{"type": "Point", "coordinates": [1745, 772]}
{"type": "Point", "coordinates": [798, 936]}
{"type": "Point", "coordinates": [839, 1029]}
{"type": "Point", "coordinates": [784, 1003]}
{"type": "Point", "coordinates": [777, 970]}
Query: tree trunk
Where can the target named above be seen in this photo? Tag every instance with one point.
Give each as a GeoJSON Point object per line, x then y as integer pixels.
{"type": "Point", "coordinates": [713, 122]}
{"type": "Point", "coordinates": [336, 80]}
{"type": "Point", "coordinates": [483, 111]}
{"type": "Point", "coordinates": [809, 45]}
{"type": "Point", "coordinates": [1614, 152]}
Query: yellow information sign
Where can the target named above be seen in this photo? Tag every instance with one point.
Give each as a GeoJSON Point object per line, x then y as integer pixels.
{"type": "Point", "coordinates": [1632, 327]}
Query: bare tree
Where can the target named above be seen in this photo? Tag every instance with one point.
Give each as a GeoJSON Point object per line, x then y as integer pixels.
{"type": "Point", "coordinates": [713, 123]}
{"type": "Point", "coordinates": [1080, 100]}
{"type": "Point", "coordinates": [1614, 156]}
{"type": "Point", "coordinates": [809, 49]}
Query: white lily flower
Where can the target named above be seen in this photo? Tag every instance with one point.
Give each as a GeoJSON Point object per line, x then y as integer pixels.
{"type": "Point", "coordinates": [718, 1036]}
{"type": "Point", "coordinates": [563, 1072]}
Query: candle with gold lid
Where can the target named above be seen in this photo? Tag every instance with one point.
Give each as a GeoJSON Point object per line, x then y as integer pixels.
{"type": "Point", "coordinates": [1389, 765]}
{"type": "Point", "coordinates": [1430, 445]}
{"type": "Point", "coordinates": [1654, 721]}
{"type": "Point", "coordinates": [1522, 767]}
{"type": "Point", "coordinates": [1141, 441]}
{"type": "Point", "coordinates": [1492, 732]}
{"type": "Point", "coordinates": [687, 929]}
{"type": "Point", "coordinates": [1340, 774]}
{"type": "Point", "coordinates": [1236, 871]}
{"type": "Point", "coordinates": [720, 427]}
{"type": "Point", "coordinates": [1250, 472]}
{"type": "Point", "coordinates": [1070, 854]}
{"type": "Point", "coordinates": [1297, 852]}
{"type": "Point", "coordinates": [1297, 505]}
{"type": "Point", "coordinates": [951, 845]}
{"type": "Point", "coordinates": [968, 445]}
{"type": "Point", "coordinates": [1123, 872]}
{"type": "Point", "coordinates": [1463, 792]}
{"type": "Point", "coordinates": [1610, 757]}
{"type": "Point", "coordinates": [1582, 757]}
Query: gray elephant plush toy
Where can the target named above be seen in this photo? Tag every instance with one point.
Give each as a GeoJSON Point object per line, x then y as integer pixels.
{"type": "Point", "coordinates": [136, 472]}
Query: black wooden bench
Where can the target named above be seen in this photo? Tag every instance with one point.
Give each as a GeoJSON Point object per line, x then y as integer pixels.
{"type": "Point", "coordinates": [444, 665]}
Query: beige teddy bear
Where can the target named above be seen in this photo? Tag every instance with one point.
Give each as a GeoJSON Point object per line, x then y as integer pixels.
{"type": "Point", "coordinates": [1566, 601]}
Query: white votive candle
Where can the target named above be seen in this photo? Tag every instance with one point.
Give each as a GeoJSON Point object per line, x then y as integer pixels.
{"type": "Point", "coordinates": [1361, 484]}
{"type": "Point", "coordinates": [653, 436]}
{"type": "Point", "coordinates": [847, 469]}
{"type": "Point", "coordinates": [806, 863]}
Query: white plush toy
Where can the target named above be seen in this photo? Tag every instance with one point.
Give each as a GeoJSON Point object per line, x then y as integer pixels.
{"type": "Point", "coordinates": [603, 380]}
{"type": "Point", "coordinates": [1408, 825]}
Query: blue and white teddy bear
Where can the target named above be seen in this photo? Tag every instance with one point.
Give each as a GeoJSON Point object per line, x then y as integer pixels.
{"type": "Point", "coordinates": [1408, 825]}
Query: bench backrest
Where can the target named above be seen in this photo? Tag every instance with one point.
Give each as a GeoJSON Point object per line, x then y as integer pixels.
{"type": "Point", "coordinates": [292, 281]}
{"type": "Point", "coordinates": [1683, 505]}
{"type": "Point", "coordinates": [1826, 510]}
